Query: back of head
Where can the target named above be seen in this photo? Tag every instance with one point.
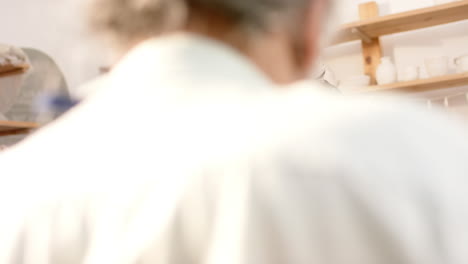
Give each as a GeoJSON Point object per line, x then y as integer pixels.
{"type": "Point", "coordinates": [129, 21]}
{"type": "Point", "coordinates": [288, 32]}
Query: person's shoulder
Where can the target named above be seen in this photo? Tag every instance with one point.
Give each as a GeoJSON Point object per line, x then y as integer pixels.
{"type": "Point", "coordinates": [328, 107]}
{"type": "Point", "coordinates": [88, 89]}
{"type": "Point", "coordinates": [316, 120]}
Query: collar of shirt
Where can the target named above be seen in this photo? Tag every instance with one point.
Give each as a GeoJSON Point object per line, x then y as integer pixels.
{"type": "Point", "coordinates": [185, 64]}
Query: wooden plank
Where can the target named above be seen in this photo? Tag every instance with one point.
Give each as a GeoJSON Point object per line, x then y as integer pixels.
{"type": "Point", "coordinates": [372, 53]}
{"type": "Point", "coordinates": [368, 10]}
{"type": "Point", "coordinates": [13, 128]}
{"type": "Point", "coordinates": [447, 81]}
{"type": "Point", "coordinates": [13, 132]}
{"type": "Point", "coordinates": [405, 21]}
{"type": "Point", "coordinates": [8, 70]}
{"type": "Point", "coordinates": [371, 50]}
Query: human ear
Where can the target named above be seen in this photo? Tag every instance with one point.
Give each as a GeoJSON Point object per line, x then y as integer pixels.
{"type": "Point", "coordinates": [314, 20]}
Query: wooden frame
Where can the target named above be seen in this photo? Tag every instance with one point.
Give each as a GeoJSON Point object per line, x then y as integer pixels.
{"type": "Point", "coordinates": [8, 128]}
{"type": "Point", "coordinates": [446, 81]}
{"type": "Point", "coordinates": [371, 48]}
{"type": "Point", "coordinates": [9, 70]}
{"type": "Point", "coordinates": [373, 27]}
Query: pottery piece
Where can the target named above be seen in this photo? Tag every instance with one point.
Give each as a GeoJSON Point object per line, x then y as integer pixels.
{"type": "Point", "coordinates": [437, 66]}
{"type": "Point", "coordinates": [462, 63]}
{"type": "Point", "coordinates": [386, 72]}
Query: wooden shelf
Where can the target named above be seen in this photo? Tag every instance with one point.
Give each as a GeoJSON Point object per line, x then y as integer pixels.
{"type": "Point", "coordinates": [9, 70]}
{"type": "Point", "coordinates": [402, 22]}
{"type": "Point", "coordinates": [8, 128]}
{"type": "Point", "coordinates": [446, 81]}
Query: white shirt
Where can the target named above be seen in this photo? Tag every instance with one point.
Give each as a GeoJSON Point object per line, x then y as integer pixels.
{"type": "Point", "coordinates": [184, 123]}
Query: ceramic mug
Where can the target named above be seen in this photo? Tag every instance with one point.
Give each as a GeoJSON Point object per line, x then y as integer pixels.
{"type": "Point", "coordinates": [462, 63]}
{"type": "Point", "coordinates": [410, 73]}
{"type": "Point", "coordinates": [386, 72]}
{"type": "Point", "coordinates": [437, 66]}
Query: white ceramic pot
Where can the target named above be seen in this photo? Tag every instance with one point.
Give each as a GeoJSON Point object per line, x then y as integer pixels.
{"type": "Point", "coordinates": [462, 63]}
{"type": "Point", "coordinates": [410, 73]}
{"type": "Point", "coordinates": [386, 72]}
{"type": "Point", "coordinates": [437, 66]}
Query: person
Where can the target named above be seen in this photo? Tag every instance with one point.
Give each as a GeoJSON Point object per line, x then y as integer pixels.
{"type": "Point", "coordinates": [222, 163]}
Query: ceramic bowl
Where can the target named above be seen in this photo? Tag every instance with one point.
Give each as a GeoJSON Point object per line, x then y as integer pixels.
{"type": "Point", "coordinates": [462, 63]}
{"type": "Point", "coordinates": [410, 73]}
{"type": "Point", "coordinates": [437, 66]}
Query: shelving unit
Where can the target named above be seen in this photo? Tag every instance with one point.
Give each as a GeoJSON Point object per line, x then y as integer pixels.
{"type": "Point", "coordinates": [372, 27]}
{"type": "Point", "coordinates": [446, 81]}
{"type": "Point", "coordinates": [402, 22]}
{"type": "Point", "coordinates": [8, 128]}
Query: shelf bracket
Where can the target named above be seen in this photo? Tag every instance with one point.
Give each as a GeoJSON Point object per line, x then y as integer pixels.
{"type": "Point", "coordinates": [361, 35]}
{"type": "Point", "coordinates": [371, 48]}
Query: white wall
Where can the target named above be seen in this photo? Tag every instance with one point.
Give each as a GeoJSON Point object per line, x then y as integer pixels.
{"type": "Point", "coordinates": [407, 49]}
{"type": "Point", "coordinates": [57, 28]}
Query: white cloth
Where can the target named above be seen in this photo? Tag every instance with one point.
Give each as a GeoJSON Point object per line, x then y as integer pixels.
{"type": "Point", "coordinates": [324, 74]}
{"type": "Point", "coordinates": [188, 154]}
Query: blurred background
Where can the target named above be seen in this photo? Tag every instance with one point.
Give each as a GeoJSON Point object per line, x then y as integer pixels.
{"type": "Point", "coordinates": [57, 28]}
{"type": "Point", "coordinates": [48, 44]}
{"type": "Point", "coordinates": [406, 49]}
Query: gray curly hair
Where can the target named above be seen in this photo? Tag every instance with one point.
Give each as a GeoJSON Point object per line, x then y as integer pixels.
{"type": "Point", "coordinates": [130, 20]}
